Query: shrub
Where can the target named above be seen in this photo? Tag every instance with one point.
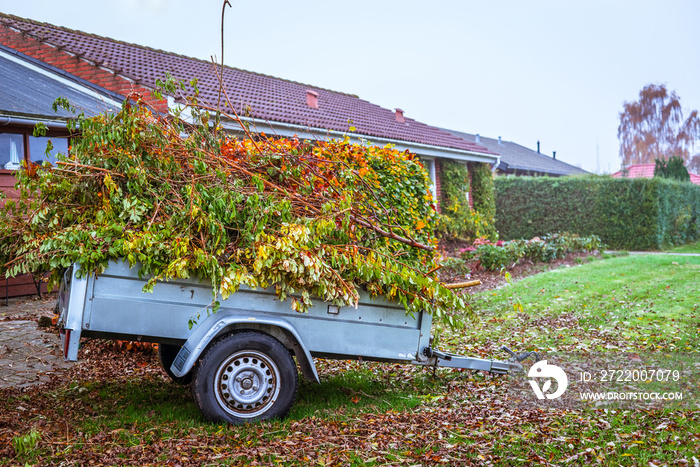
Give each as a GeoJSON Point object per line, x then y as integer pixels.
{"type": "Point", "coordinates": [494, 257]}
{"type": "Point", "coordinates": [631, 214]}
{"type": "Point", "coordinates": [497, 256]}
{"type": "Point", "coordinates": [674, 169]}
{"type": "Point", "coordinates": [458, 221]}
{"type": "Point", "coordinates": [454, 267]}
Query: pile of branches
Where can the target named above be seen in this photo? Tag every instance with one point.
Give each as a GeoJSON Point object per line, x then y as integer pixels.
{"type": "Point", "coordinates": [312, 219]}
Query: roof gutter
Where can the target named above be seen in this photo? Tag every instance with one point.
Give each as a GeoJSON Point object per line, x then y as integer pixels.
{"type": "Point", "coordinates": [53, 125]}
{"type": "Point", "coordinates": [495, 166]}
{"type": "Point", "coordinates": [306, 132]}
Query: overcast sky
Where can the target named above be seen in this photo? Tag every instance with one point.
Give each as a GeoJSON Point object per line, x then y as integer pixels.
{"type": "Point", "coordinates": [526, 70]}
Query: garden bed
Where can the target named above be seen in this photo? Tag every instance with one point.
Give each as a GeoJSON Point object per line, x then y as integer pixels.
{"type": "Point", "coordinates": [471, 269]}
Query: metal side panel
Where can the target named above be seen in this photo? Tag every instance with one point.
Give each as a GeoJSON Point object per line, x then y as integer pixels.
{"type": "Point", "coordinates": [376, 329]}
{"type": "Point", "coordinates": [353, 338]}
{"type": "Point", "coordinates": [119, 306]}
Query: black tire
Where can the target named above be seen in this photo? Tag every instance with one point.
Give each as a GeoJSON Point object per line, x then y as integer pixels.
{"type": "Point", "coordinates": [244, 377]}
{"type": "Point", "coordinates": [166, 355]}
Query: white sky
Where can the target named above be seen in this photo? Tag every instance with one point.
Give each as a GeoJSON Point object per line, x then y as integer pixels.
{"type": "Point", "coordinates": [555, 71]}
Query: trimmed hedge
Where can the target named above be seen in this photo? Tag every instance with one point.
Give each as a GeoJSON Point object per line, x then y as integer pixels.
{"type": "Point", "coordinates": [631, 214]}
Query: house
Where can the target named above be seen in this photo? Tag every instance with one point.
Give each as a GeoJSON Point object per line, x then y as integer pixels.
{"type": "Point", "coordinates": [28, 88]}
{"type": "Point", "coordinates": [41, 61]}
{"type": "Point", "coordinates": [271, 105]}
{"type": "Point", "coordinates": [646, 171]}
{"type": "Point", "coordinates": [519, 160]}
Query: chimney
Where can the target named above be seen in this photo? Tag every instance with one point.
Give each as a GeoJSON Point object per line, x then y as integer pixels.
{"type": "Point", "coordinates": [554, 154]}
{"type": "Point", "coordinates": [312, 99]}
{"type": "Point", "coordinates": [538, 146]}
{"type": "Point", "coordinates": [399, 116]}
{"type": "Point", "coordinates": [499, 141]}
{"type": "Point", "coordinates": [477, 139]}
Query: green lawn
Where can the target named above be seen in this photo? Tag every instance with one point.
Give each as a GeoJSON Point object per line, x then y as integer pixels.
{"type": "Point", "coordinates": [119, 409]}
{"type": "Point", "coordinates": [625, 303]}
{"type": "Point", "coordinates": [689, 248]}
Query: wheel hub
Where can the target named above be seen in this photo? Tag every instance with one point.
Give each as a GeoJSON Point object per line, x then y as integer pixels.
{"type": "Point", "coordinates": [247, 384]}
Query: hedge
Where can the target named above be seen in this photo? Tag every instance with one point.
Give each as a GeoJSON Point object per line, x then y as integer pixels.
{"type": "Point", "coordinates": [631, 214]}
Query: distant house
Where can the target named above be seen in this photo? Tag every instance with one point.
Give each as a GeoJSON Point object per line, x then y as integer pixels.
{"type": "Point", "coordinates": [519, 160]}
{"type": "Point", "coordinates": [646, 171]}
{"type": "Point", "coordinates": [271, 105]}
{"type": "Point", "coordinates": [28, 88]}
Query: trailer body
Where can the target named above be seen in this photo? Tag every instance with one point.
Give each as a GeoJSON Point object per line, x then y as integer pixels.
{"type": "Point", "coordinates": [246, 379]}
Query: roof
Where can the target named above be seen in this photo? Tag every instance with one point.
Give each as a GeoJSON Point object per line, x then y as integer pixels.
{"type": "Point", "coordinates": [636, 171]}
{"type": "Point", "coordinates": [267, 98]}
{"type": "Point", "coordinates": [515, 157]}
{"type": "Point", "coordinates": [28, 89]}
{"type": "Point", "coordinates": [646, 171]}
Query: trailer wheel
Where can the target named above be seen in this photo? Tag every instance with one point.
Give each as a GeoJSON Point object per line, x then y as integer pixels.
{"type": "Point", "coordinates": [244, 377]}
{"type": "Point", "coordinates": [166, 355]}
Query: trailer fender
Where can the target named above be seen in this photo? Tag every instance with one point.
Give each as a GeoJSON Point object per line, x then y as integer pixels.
{"type": "Point", "coordinates": [225, 321]}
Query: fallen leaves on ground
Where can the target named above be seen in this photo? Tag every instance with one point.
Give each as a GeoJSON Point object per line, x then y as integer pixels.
{"type": "Point", "coordinates": [470, 423]}
{"type": "Point", "coordinates": [86, 417]}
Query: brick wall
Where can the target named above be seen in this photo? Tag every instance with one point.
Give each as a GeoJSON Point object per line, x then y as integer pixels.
{"type": "Point", "coordinates": [20, 285]}
{"type": "Point", "coordinates": [76, 66]}
{"type": "Point", "coordinates": [7, 185]}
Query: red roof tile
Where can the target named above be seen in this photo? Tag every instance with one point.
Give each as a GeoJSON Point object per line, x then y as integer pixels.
{"type": "Point", "coordinates": [636, 171]}
{"type": "Point", "coordinates": [646, 171]}
{"type": "Point", "coordinates": [268, 98]}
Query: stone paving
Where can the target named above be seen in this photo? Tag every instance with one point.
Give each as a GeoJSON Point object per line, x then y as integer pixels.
{"type": "Point", "coordinates": [29, 354]}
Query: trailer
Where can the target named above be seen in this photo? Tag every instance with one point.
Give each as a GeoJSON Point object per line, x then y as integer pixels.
{"type": "Point", "coordinates": [240, 361]}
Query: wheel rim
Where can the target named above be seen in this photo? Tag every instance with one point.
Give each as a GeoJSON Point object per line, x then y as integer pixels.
{"type": "Point", "coordinates": [247, 384]}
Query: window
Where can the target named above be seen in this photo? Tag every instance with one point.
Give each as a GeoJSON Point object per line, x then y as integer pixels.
{"type": "Point", "coordinates": [429, 164]}
{"type": "Point", "coordinates": [37, 148]}
{"type": "Point", "coordinates": [18, 146]}
{"type": "Point", "coordinates": [11, 150]}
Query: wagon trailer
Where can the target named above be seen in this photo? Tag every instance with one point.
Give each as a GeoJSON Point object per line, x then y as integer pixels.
{"type": "Point", "coordinates": [240, 361]}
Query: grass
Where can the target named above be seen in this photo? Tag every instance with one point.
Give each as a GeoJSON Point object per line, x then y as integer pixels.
{"type": "Point", "coordinates": [689, 248]}
{"type": "Point", "coordinates": [362, 388]}
{"type": "Point", "coordinates": [382, 414]}
{"type": "Point", "coordinates": [646, 302]}
{"type": "Point", "coordinates": [359, 388]}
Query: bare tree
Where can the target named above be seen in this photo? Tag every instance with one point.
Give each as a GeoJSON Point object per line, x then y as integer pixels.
{"type": "Point", "coordinates": [694, 164]}
{"type": "Point", "coordinates": [653, 127]}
